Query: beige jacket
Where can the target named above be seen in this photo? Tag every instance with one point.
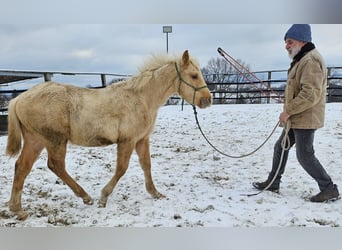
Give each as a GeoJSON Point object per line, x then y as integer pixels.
{"type": "Point", "coordinates": [305, 92]}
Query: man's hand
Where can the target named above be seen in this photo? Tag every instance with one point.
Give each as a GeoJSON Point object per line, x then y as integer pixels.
{"type": "Point", "coordinates": [283, 117]}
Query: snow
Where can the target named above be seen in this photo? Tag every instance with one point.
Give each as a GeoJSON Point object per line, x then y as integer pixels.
{"type": "Point", "coordinates": [202, 187]}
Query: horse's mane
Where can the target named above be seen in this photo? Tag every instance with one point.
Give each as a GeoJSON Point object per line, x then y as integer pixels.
{"type": "Point", "coordinates": [146, 70]}
{"type": "Point", "coordinates": [156, 61]}
{"type": "Point", "coordinates": [153, 63]}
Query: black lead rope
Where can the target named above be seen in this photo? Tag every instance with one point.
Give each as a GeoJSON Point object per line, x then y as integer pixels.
{"type": "Point", "coordinates": [221, 152]}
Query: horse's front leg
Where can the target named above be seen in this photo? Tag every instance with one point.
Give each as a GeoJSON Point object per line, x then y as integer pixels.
{"type": "Point", "coordinates": [124, 152]}
{"type": "Point", "coordinates": [143, 151]}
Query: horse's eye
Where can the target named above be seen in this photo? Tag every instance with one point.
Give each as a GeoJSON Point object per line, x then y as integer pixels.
{"type": "Point", "coordinates": [194, 76]}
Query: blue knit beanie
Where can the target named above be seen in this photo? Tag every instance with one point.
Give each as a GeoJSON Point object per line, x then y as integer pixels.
{"type": "Point", "coordinates": [299, 32]}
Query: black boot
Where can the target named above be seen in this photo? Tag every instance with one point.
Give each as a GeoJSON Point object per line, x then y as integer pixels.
{"type": "Point", "coordinates": [329, 194]}
{"type": "Point", "coordinates": [262, 185]}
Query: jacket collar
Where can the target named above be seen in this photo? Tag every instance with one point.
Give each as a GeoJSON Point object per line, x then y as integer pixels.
{"type": "Point", "coordinates": [305, 49]}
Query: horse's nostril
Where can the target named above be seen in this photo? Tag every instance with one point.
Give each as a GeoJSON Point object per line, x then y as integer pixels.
{"type": "Point", "coordinates": [205, 102]}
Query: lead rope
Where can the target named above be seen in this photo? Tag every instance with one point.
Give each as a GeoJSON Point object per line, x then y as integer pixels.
{"type": "Point", "coordinates": [285, 144]}
{"type": "Point", "coordinates": [221, 152]}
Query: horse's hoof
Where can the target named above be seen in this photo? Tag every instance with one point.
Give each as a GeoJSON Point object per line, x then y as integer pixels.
{"type": "Point", "coordinates": [158, 195]}
{"type": "Point", "coordinates": [102, 204]}
{"type": "Point", "coordinates": [88, 201]}
{"type": "Point", "coordinates": [21, 215]}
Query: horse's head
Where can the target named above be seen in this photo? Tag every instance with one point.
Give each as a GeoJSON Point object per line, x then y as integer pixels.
{"type": "Point", "coordinates": [192, 86]}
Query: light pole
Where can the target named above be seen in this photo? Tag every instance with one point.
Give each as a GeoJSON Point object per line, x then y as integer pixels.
{"type": "Point", "coordinates": [167, 30]}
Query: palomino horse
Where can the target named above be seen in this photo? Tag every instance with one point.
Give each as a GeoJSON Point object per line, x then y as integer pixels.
{"type": "Point", "coordinates": [50, 115]}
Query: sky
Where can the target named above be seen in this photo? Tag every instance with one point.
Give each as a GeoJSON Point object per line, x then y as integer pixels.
{"type": "Point", "coordinates": [122, 48]}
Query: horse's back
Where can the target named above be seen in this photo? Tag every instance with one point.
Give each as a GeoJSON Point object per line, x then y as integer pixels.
{"type": "Point", "coordinates": [43, 101]}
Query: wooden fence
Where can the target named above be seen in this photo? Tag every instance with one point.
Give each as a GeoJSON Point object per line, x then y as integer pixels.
{"type": "Point", "coordinates": [224, 92]}
{"type": "Point", "coordinates": [272, 86]}
{"type": "Point", "coordinates": [232, 89]}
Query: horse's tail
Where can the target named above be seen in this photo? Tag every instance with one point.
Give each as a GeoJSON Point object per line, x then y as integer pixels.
{"type": "Point", "coordinates": [14, 130]}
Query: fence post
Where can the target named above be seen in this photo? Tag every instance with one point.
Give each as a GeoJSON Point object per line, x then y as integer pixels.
{"type": "Point", "coordinates": [103, 80]}
{"type": "Point", "coordinates": [328, 81]}
{"type": "Point", "coordinates": [47, 77]}
{"type": "Point", "coordinates": [269, 77]}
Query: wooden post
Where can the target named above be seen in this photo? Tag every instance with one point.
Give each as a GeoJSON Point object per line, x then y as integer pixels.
{"type": "Point", "coordinates": [269, 77]}
{"type": "Point", "coordinates": [103, 80]}
{"type": "Point", "coordinates": [47, 77]}
{"type": "Point", "coordinates": [328, 97]}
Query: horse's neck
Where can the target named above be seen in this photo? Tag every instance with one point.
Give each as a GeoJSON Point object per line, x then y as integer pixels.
{"type": "Point", "coordinates": [160, 86]}
{"type": "Point", "coordinates": [164, 83]}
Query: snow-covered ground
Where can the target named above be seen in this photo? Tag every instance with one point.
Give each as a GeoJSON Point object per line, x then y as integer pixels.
{"type": "Point", "coordinates": [203, 188]}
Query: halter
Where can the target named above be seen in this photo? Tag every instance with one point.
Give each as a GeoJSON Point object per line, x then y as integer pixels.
{"type": "Point", "coordinates": [189, 84]}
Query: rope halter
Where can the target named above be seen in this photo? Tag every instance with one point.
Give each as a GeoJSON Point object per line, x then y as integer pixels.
{"type": "Point", "coordinates": [181, 80]}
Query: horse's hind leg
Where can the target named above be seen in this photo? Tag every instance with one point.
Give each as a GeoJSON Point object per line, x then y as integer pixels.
{"type": "Point", "coordinates": [124, 152]}
{"type": "Point", "coordinates": [23, 166]}
{"type": "Point", "coordinates": [56, 163]}
{"type": "Point", "coordinates": [143, 151]}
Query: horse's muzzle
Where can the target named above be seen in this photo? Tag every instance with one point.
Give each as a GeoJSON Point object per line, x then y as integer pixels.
{"type": "Point", "coordinates": [205, 102]}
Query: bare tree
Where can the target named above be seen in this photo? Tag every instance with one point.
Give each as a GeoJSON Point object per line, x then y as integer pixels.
{"type": "Point", "coordinates": [224, 81]}
{"type": "Point", "coordinates": [4, 100]}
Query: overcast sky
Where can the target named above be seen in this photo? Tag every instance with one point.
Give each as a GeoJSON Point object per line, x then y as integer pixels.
{"type": "Point", "coordinates": [121, 49]}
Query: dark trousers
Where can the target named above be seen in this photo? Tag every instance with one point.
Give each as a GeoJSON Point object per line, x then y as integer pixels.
{"type": "Point", "coordinates": [303, 138]}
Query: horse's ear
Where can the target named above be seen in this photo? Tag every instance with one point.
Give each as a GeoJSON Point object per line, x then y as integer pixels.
{"type": "Point", "coordinates": [186, 58]}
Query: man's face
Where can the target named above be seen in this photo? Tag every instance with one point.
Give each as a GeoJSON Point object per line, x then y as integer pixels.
{"type": "Point", "coordinates": [293, 47]}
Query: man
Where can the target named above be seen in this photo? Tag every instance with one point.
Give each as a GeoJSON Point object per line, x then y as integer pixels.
{"type": "Point", "coordinates": [304, 109]}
